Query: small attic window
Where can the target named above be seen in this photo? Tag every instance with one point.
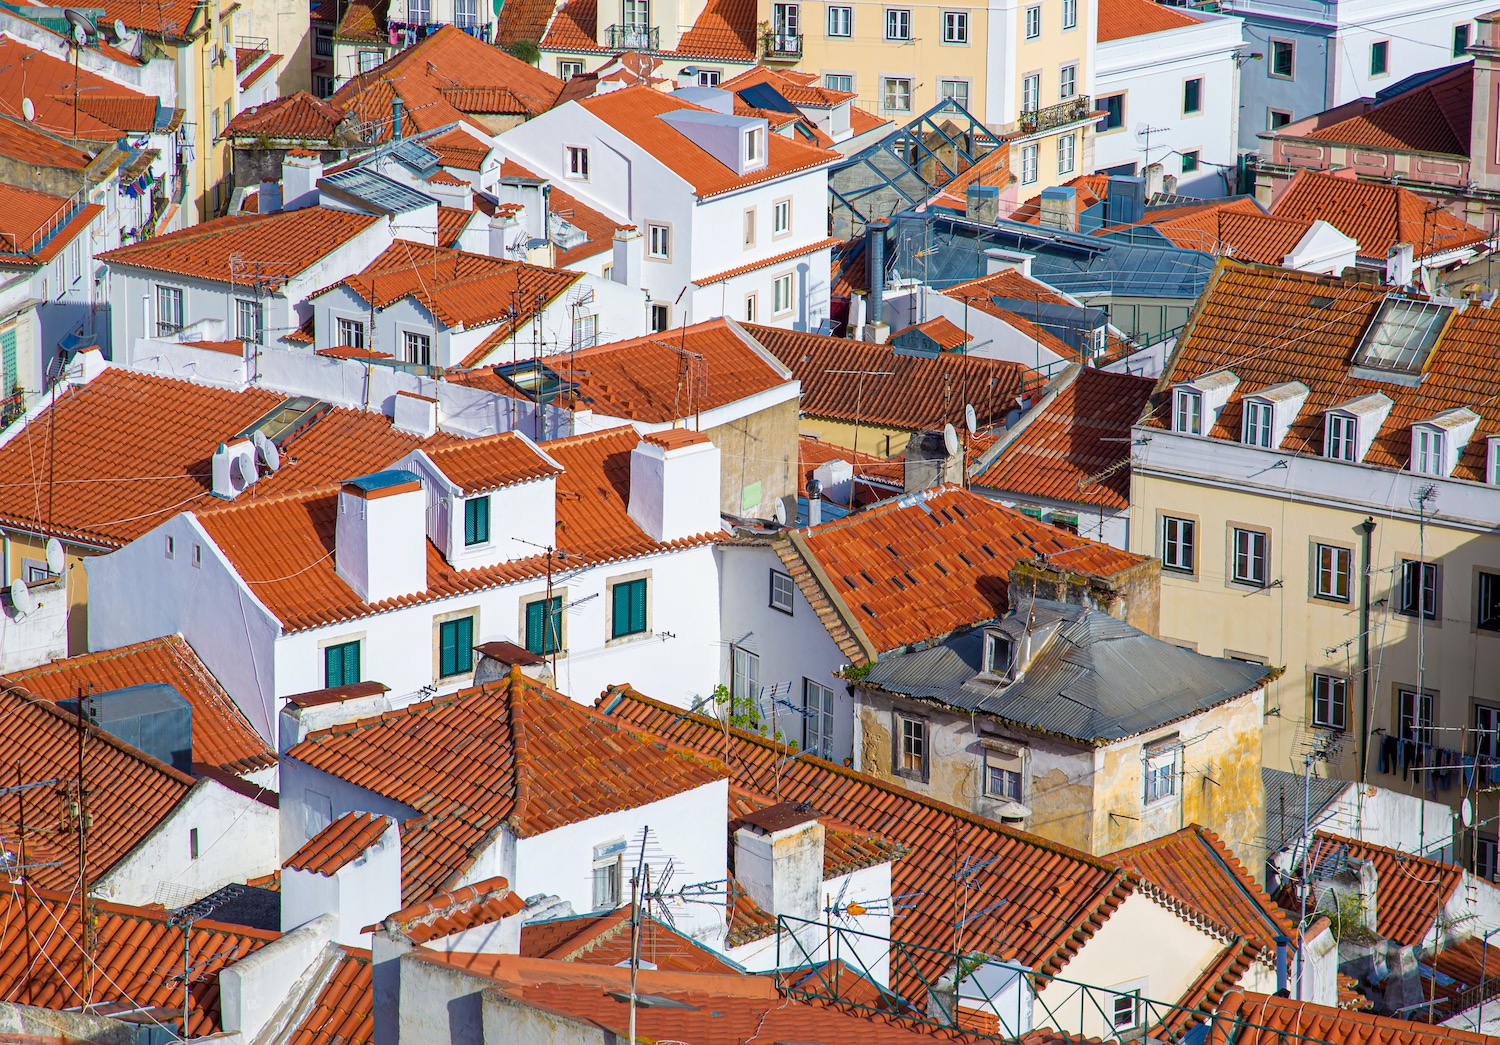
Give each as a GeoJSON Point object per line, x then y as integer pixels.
{"type": "Point", "coordinates": [1403, 335]}
{"type": "Point", "coordinates": [999, 652]}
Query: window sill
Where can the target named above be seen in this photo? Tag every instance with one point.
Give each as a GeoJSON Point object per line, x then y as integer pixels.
{"type": "Point", "coordinates": [789, 613]}
{"type": "Point", "coordinates": [625, 640]}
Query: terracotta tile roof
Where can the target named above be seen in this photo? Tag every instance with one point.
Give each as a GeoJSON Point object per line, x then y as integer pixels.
{"type": "Point", "coordinates": [292, 240]}
{"type": "Point", "coordinates": [1074, 447]}
{"type": "Point", "coordinates": [221, 735]}
{"type": "Point", "coordinates": [1376, 215]}
{"type": "Point", "coordinates": [1431, 117]}
{"type": "Point", "coordinates": [777, 259]}
{"type": "Point", "coordinates": [875, 478]}
{"type": "Point", "coordinates": [420, 75]}
{"type": "Point", "coordinates": [344, 1011]}
{"type": "Point", "coordinates": [41, 150]}
{"type": "Point", "coordinates": [1470, 967]}
{"type": "Point", "coordinates": [280, 545]}
{"type": "Point", "coordinates": [452, 221]}
{"type": "Point", "coordinates": [1235, 227]}
{"type": "Point", "coordinates": [350, 352]}
{"type": "Point", "coordinates": [296, 117]}
{"type": "Point", "coordinates": [442, 177]}
{"type": "Point", "coordinates": [845, 848]}
{"type": "Point", "coordinates": [1349, 996]}
{"type": "Point", "coordinates": [636, 111]}
{"type": "Point", "coordinates": [458, 287]}
{"type": "Point", "coordinates": [338, 844]}
{"type": "Point", "coordinates": [1196, 868]}
{"type": "Point", "coordinates": [515, 753]}
{"type": "Point", "coordinates": [523, 20]}
{"type": "Point", "coordinates": [794, 89]}
{"type": "Point", "coordinates": [105, 109]}
{"type": "Point", "coordinates": [992, 169]}
{"type": "Point", "coordinates": [457, 149]}
{"type": "Point", "coordinates": [364, 21]}
{"type": "Point", "coordinates": [453, 911]}
{"type": "Point", "coordinates": [169, 18]}
{"type": "Point", "coordinates": [1120, 19]}
{"type": "Point", "coordinates": [1055, 898]}
{"type": "Point", "coordinates": [1261, 1019]}
{"type": "Point", "coordinates": [724, 30]}
{"type": "Point", "coordinates": [946, 555]}
{"type": "Point", "coordinates": [1411, 889]}
{"type": "Point", "coordinates": [645, 379]}
{"type": "Point", "coordinates": [573, 28]}
{"type": "Point", "coordinates": [982, 294]}
{"type": "Point", "coordinates": [861, 122]}
{"type": "Point", "coordinates": [1311, 336]}
{"type": "Point", "coordinates": [28, 216]}
{"type": "Point", "coordinates": [132, 958]}
{"type": "Point", "coordinates": [943, 332]}
{"type": "Point", "coordinates": [130, 793]}
{"type": "Point", "coordinates": [491, 462]}
{"type": "Point", "coordinates": [604, 939]}
{"type": "Point", "coordinates": [920, 393]}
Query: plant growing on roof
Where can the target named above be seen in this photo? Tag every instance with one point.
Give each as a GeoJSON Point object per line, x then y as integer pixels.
{"type": "Point", "coordinates": [1346, 916]}
{"type": "Point", "coordinates": [526, 50]}
{"type": "Point", "coordinates": [744, 713]}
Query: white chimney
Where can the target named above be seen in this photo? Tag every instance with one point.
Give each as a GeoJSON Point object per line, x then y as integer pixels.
{"type": "Point", "coordinates": [627, 257]}
{"type": "Point", "coordinates": [507, 232]}
{"type": "Point", "coordinates": [359, 883]}
{"type": "Point", "coordinates": [234, 468]}
{"type": "Point", "coordinates": [417, 414]}
{"type": "Point", "coordinates": [778, 860]}
{"type": "Point", "coordinates": [380, 539]}
{"type": "Point", "coordinates": [1400, 264]}
{"type": "Point", "coordinates": [674, 484]}
{"type": "Point", "coordinates": [268, 197]}
{"type": "Point", "coordinates": [301, 170]}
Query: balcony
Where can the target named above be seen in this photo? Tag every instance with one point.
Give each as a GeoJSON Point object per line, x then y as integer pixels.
{"type": "Point", "coordinates": [633, 38]}
{"type": "Point", "coordinates": [1073, 110]}
{"type": "Point", "coordinates": [782, 46]}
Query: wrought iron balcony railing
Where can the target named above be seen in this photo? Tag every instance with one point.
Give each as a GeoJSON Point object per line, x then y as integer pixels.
{"type": "Point", "coordinates": [782, 45]}
{"type": "Point", "coordinates": [1060, 115]}
{"type": "Point", "coordinates": [634, 38]}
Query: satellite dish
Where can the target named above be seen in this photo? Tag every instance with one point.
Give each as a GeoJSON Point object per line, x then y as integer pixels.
{"type": "Point", "coordinates": [21, 597]}
{"type": "Point", "coordinates": [241, 473]}
{"type": "Point", "coordinates": [83, 26]}
{"type": "Point", "coordinates": [28, 109]}
{"type": "Point", "coordinates": [950, 440]}
{"type": "Point", "coordinates": [779, 512]}
{"type": "Point", "coordinates": [1466, 813]}
{"type": "Point", "coordinates": [971, 419]}
{"type": "Point", "coordinates": [54, 556]}
{"type": "Point", "coordinates": [269, 455]}
{"type": "Point", "coordinates": [80, 35]}
{"type": "Point", "coordinates": [120, 32]}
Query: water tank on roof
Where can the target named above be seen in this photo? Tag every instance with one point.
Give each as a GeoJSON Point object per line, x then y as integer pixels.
{"type": "Point", "coordinates": [152, 716]}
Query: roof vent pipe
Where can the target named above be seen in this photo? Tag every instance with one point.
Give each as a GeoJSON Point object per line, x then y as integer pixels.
{"type": "Point", "coordinates": [875, 271]}
{"type": "Point", "coordinates": [396, 119]}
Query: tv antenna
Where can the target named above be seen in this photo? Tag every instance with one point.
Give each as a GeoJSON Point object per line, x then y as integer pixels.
{"type": "Point", "coordinates": [1144, 131]}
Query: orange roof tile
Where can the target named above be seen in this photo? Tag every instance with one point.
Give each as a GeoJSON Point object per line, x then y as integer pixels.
{"type": "Point", "coordinates": [597, 226]}
{"type": "Point", "coordinates": [105, 109]}
{"type": "Point", "coordinates": [363, 22]}
{"type": "Point", "coordinates": [1376, 215]}
{"type": "Point", "coordinates": [343, 1013]}
{"type": "Point", "coordinates": [280, 545]}
{"type": "Point", "coordinates": [133, 951]}
{"type": "Point", "coordinates": [1251, 236]}
{"type": "Point", "coordinates": [1431, 117]}
{"type": "Point", "coordinates": [491, 462]}
{"type": "Point", "coordinates": [458, 149]}
{"type": "Point", "coordinates": [173, 19]}
{"type": "Point", "coordinates": [453, 911]}
{"type": "Point", "coordinates": [342, 841]}
{"type": "Point", "coordinates": [875, 478]}
{"type": "Point", "coordinates": [921, 392]}
{"type": "Point", "coordinates": [221, 735]}
{"type": "Point", "coordinates": [1311, 336]}
{"type": "Point", "coordinates": [1469, 966]}
{"type": "Point", "coordinates": [636, 111]}
{"type": "Point", "coordinates": [1120, 19]}
{"type": "Point", "coordinates": [1074, 447]}
{"type": "Point", "coordinates": [923, 566]}
{"type": "Point", "coordinates": [297, 117]}
{"type": "Point", "coordinates": [442, 177]}
{"type": "Point", "coordinates": [452, 221]}
{"type": "Point", "coordinates": [777, 259]}
{"type": "Point", "coordinates": [41, 150]}
{"type": "Point", "coordinates": [419, 75]}
{"type": "Point", "coordinates": [30, 217]}
{"type": "Point", "coordinates": [130, 793]}
{"type": "Point", "coordinates": [293, 240]}
{"type": "Point", "coordinates": [1089, 189]}
{"type": "Point", "coordinates": [644, 379]}
{"type": "Point", "coordinates": [604, 939]}
{"type": "Point", "coordinates": [943, 332]}
{"type": "Point", "coordinates": [724, 30]}
{"type": "Point", "coordinates": [523, 20]}
{"type": "Point", "coordinates": [1260, 1019]}
{"type": "Point", "coordinates": [1411, 889]}
{"type": "Point", "coordinates": [1054, 898]}
{"type": "Point", "coordinates": [515, 753]}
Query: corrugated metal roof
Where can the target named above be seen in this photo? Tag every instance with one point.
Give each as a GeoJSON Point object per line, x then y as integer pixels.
{"type": "Point", "coordinates": [1095, 679]}
{"type": "Point", "coordinates": [1284, 798]}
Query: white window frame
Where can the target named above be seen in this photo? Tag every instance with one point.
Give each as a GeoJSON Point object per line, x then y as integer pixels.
{"type": "Point", "coordinates": [783, 598]}
{"type": "Point", "coordinates": [1486, 730]}
{"type": "Point", "coordinates": [1429, 576]}
{"type": "Point", "coordinates": [839, 82]}
{"type": "Point", "coordinates": [169, 300]}
{"type": "Point", "coordinates": [1291, 47]}
{"type": "Point", "coordinates": [1006, 765]}
{"type": "Point", "coordinates": [1031, 92]}
{"type": "Point", "coordinates": [754, 145]}
{"type": "Point", "coordinates": [895, 93]}
{"type": "Point", "coordinates": [1330, 701]}
{"type": "Point", "coordinates": [817, 719]}
{"type": "Point", "coordinates": [999, 652]}
{"type": "Point", "coordinates": [840, 21]}
{"type": "Point", "coordinates": [412, 349]}
{"type": "Point", "coordinates": [1341, 437]}
{"type": "Point", "coordinates": [781, 218]}
{"type": "Point", "coordinates": [911, 753]}
{"type": "Point", "coordinates": [567, 69]}
{"type": "Point", "coordinates": [1159, 771]}
{"type": "Point", "coordinates": [353, 328]}
{"type": "Point", "coordinates": [1069, 14]}
{"type": "Point", "coordinates": [1034, 22]}
{"type": "Point", "coordinates": [955, 27]}
{"type": "Point", "coordinates": [1125, 1010]}
{"type": "Point", "coordinates": [608, 872]}
{"type": "Point", "coordinates": [1416, 714]}
{"type": "Point", "coordinates": [1030, 164]}
{"type": "Point", "coordinates": [1259, 427]}
{"type": "Point", "coordinates": [1199, 107]}
{"type": "Point", "coordinates": [898, 24]}
{"type": "Point", "coordinates": [956, 91]}
{"type": "Point", "coordinates": [1179, 544]}
{"type": "Point", "coordinates": [709, 77]}
{"type": "Point", "coordinates": [255, 312]}
{"type": "Point", "coordinates": [662, 309]}
{"type": "Point", "coordinates": [658, 241]}
{"type": "Point", "coordinates": [1429, 451]}
{"type": "Point", "coordinates": [1250, 557]}
{"type": "Point", "coordinates": [1332, 571]}
{"type": "Point", "coordinates": [744, 679]}
{"type": "Point", "coordinates": [585, 330]}
{"type": "Point", "coordinates": [747, 230]}
{"type": "Point", "coordinates": [1067, 81]}
{"type": "Point", "coordinates": [576, 162]}
{"type": "Point", "coordinates": [1487, 593]}
{"type": "Point", "coordinates": [1187, 411]}
{"type": "Point", "coordinates": [1067, 153]}
{"type": "Point", "coordinates": [782, 299]}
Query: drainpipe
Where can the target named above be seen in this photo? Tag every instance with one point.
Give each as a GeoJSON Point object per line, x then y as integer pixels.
{"type": "Point", "coordinates": [875, 268]}
{"type": "Point", "coordinates": [1366, 530]}
{"type": "Point", "coordinates": [395, 119]}
{"type": "Point", "coordinates": [1281, 946]}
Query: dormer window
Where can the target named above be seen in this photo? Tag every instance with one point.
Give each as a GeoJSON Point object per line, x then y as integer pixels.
{"type": "Point", "coordinates": [1429, 455]}
{"type": "Point", "coordinates": [753, 145]}
{"type": "Point", "coordinates": [999, 653]}
{"type": "Point", "coordinates": [1439, 441]}
{"type": "Point", "coordinates": [1492, 461]}
{"type": "Point", "coordinates": [1187, 412]}
{"type": "Point", "coordinates": [1339, 441]}
{"type": "Point", "coordinates": [1258, 423]}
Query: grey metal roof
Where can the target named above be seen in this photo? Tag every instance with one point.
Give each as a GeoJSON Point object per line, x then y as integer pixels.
{"type": "Point", "coordinates": [382, 194]}
{"type": "Point", "coordinates": [1095, 679]}
{"type": "Point", "coordinates": [1284, 799]}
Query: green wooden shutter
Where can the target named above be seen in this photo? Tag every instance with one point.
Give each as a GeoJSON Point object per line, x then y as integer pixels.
{"type": "Point", "coordinates": [620, 611]}
{"type": "Point", "coordinates": [638, 606]}
{"type": "Point", "coordinates": [351, 663]}
{"type": "Point", "coordinates": [10, 379]}
{"type": "Point", "coordinates": [446, 647]}
{"type": "Point", "coordinates": [534, 619]}
{"type": "Point", "coordinates": [333, 667]}
{"type": "Point", "coordinates": [554, 625]}
{"type": "Point", "coordinates": [476, 520]}
{"type": "Point", "coordinates": [463, 654]}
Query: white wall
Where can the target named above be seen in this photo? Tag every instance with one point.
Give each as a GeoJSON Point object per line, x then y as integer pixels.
{"type": "Point", "coordinates": [236, 841]}
{"type": "Point", "coordinates": [255, 987]}
{"type": "Point", "coordinates": [363, 892]}
{"type": "Point", "coordinates": [299, 821]}
{"type": "Point", "coordinates": [864, 946]}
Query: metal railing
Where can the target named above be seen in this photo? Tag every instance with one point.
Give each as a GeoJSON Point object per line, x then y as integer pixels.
{"type": "Point", "coordinates": [782, 45]}
{"type": "Point", "coordinates": [1060, 115]}
{"type": "Point", "coordinates": [43, 235]}
{"type": "Point", "coordinates": [633, 38]}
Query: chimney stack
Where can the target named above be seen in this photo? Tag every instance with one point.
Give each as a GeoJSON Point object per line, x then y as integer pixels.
{"type": "Point", "coordinates": [1484, 162]}
{"type": "Point", "coordinates": [301, 170]}
{"type": "Point", "coordinates": [778, 860]}
{"type": "Point", "coordinates": [626, 263]}
{"type": "Point", "coordinates": [876, 329]}
{"type": "Point", "coordinates": [380, 538]}
{"type": "Point", "coordinates": [674, 484]}
{"type": "Point", "coordinates": [396, 105]}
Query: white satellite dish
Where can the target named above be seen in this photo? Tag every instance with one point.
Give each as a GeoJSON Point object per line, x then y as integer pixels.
{"type": "Point", "coordinates": [269, 454]}
{"type": "Point", "coordinates": [28, 109]}
{"type": "Point", "coordinates": [80, 36]}
{"type": "Point", "coordinates": [779, 512]}
{"type": "Point", "coordinates": [55, 561]}
{"type": "Point", "coordinates": [21, 597]}
{"type": "Point", "coordinates": [1466, 813]}
{"type": "Point", "coordinates": [120, 31]}
{"type": "Point", "coordinates": [241, 473]}
{"type": "Point", "coordinates": [950, 440]}
{"type": "Point", "coordinates": [971, 419]}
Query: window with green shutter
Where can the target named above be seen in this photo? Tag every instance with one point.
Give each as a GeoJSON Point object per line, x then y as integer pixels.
{"type": "Point", "coordinates": [629, 610]}
{"type": "Point", "coordinates": [341, 664]}
{"type": "Point", "coordinates": [544, 625]}
{"type": "Point", "coordinates": [455, 646]}
{"type": "Point", "coordinates": [477, 520]}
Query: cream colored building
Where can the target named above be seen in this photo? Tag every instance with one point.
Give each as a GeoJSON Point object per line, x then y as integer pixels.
{"type": "Point", "coordinates": [1319, 479]}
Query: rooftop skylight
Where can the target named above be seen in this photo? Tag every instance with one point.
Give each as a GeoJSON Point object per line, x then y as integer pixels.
{"type": "Point", "coordinates": [1403, 335]}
